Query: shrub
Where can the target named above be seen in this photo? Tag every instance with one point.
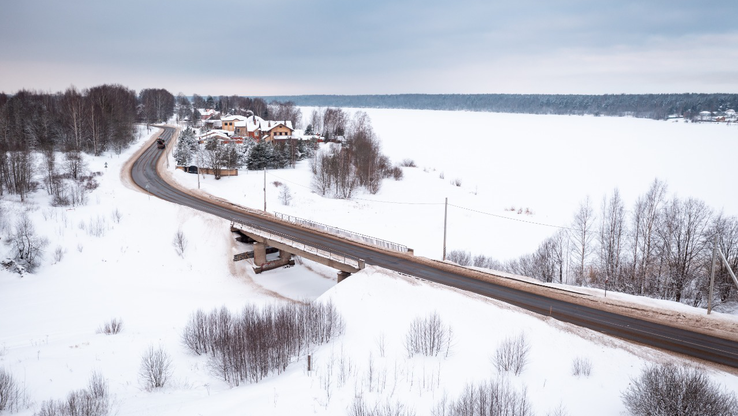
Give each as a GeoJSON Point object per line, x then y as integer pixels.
{"type": "Point", "coordinates": [456, 182]}
{"type": "Point", "coordinates": [581, 367]}
{"type": "Point", "coordinates": [180, 243]}
{"type": "Point", "coordinates": [491, 398]}
{"type": "Point", "coordinates": [11, 394]}
{"type": "Point", "coordinates": [156, 368]}
{"type": "Point", "coordinates": [428, 336]}
{"type": "Point", "coordinates": [677, 391]}
{"type": "Point", "coordinates": [512, 354]}
{"type": "Point", "coordinates": [92, 401]}
{"type": "Point", "coordinates": [460, 257]}
{"type": "Point", "coordinates": [408, 163]}
{"type": "Point", "coordinates": [259, 341]}
{"type": "Point", "coordinates": [112, 327]}
{"type": "Point", "coordinates": [360, 408]}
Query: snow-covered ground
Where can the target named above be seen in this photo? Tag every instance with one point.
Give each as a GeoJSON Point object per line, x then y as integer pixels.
{"type": "Point", "coordinates": [129, 270]}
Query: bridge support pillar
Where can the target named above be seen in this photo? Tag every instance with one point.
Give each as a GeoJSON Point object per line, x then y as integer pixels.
{"type": "Point", "coordinates": [260, 255]}
{"type": "Point", "coordinates": [343, 276]}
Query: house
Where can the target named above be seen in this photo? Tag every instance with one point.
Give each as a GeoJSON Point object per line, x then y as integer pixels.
{"type": "Point", "coordinates": [229, 122]}
{"type": "Point", "coordinates": [704, 116]}
{"type": "Point", "coordinates": [276, 130]}
{"type": "Point", "coordinates": [214, 134]}
{"type": "Point", "coordinates": [256, 128]}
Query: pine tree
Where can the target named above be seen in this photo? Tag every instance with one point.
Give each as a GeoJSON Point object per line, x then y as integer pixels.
{"type": "Point", "coordinates": [258, 157]}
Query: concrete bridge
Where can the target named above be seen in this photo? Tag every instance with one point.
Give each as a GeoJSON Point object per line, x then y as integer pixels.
{"type": "Point", "coordinates": [269, 241]}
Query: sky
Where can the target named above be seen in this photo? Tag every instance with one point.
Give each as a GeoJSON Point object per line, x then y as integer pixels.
{"type": "Point", "coordinates": [293, 47]}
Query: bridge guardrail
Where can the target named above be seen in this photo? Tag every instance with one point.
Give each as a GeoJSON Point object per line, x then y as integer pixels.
{"type": "Point", "coordinates": [351, 235]}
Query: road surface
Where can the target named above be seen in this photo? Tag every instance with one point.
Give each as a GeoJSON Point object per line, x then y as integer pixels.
{"type": "Point", "coordinates": [676, 339]}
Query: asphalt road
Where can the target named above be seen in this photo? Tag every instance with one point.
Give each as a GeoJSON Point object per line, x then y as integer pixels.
{"type": "Point", "coordinates": [694, 344]}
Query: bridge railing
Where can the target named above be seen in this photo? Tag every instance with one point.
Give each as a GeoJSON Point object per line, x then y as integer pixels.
{"type": "Point", "coordinates": [310, 248]}
{"type": "Point", "coordinates": [351, 235]}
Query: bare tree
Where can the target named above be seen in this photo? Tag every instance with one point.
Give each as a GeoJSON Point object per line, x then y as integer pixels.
{"type": "Point", "coordinates": [27, 247]}
{"type": "Point", "coordinates": [610, 237]}
{"type": "Point", "coordinates": [284, 195]}
{"type": "Point", "coordinates": [582, 237]}
{"type": "Point", "coordinates": [645, 218]}
{"type": "Point", "coordinates": [683, 236]}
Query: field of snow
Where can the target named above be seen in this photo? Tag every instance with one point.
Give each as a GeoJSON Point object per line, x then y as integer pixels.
{"type": "Point", "coordinates": [118, 261]}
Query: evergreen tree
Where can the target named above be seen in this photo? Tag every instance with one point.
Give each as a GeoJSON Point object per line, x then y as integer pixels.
{"type": "Point", "coordinates": [186, 147]}
{"type": "Point", "coordinates": [258, 157]}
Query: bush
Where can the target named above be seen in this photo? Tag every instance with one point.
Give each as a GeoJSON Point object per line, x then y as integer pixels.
{"type": "Point", "coordinates": [11, 394]}
{"type": "Point", "coordinates": [359, 408]}
{"type": "Point", "coordinates": [156, 368]}
{"type": "Point", "coordinates": [677, 391]}
{"type": "Point", "coordinates": [491, 398]}
{"type": "Point", "coordinates": [92, 401]}
{"type": "Point", "coordinates": [259, 341]}
{"type": "Point", "coordinates": [408, 163]}
{"type": "Point", "coordinates": [512, 354]}
{"type": "Point", "coordinates": [460, 257]}
{"type": "Point", "coordinates": [581, 367]}
{"type": "Point", "coordinates": [428, 336]}
{"type": "Point", "coordinates": [112, 327]}
{"type": "Point", "coordinates": [180, 243]}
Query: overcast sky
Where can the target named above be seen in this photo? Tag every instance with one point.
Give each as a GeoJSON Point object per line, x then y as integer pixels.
{"type": "Point", "coordinates": [285, 47]}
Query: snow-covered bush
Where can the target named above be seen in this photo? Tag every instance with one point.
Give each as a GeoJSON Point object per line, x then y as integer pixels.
{"type": "Point", "coordinates": [491, 398]}
{"type": "Point", "coordinates": [28, 248]}
{"type": "Point", "coordinates": [428, 336]}
{"type": "Point", "coordinates": [512, 354]}
{"type": "Point", "coordinates": [156, 368]}
{"type": "Point", "coordinates": [285, 196]}
{"type": "Point", "coordinates": [677, 391]}
{"type": "Point", "coordinates": [581, 367]}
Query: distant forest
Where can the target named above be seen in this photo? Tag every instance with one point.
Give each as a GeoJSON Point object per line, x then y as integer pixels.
{"type": "Point", "coordinates": [655, 106]}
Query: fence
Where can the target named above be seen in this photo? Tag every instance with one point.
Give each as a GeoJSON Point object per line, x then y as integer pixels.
{"type": "Point", "coordinates": [361, 238]}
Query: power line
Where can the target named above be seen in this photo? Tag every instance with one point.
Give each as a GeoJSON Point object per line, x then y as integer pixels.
{"type": "Point", "coordinates": [511, 219]}
{"type": "Point", "coordinates": [440, 203]}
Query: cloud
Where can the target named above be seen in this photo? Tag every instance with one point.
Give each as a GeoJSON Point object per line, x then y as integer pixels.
{"type": "Point", "coordinates": [332, 46]}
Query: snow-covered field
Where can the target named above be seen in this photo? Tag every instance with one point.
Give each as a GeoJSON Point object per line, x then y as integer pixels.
{"type": "Point", "coordinates": [129, 270]}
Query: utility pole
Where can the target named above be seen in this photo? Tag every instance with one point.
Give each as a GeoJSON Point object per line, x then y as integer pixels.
{"type": "Point", "coordinates": [265, 189]}
{"type": "Point", "coordinates": [445, 217]}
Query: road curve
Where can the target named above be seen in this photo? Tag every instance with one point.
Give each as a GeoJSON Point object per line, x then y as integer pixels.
{"type": "Point", "coordinates": [680, 340]}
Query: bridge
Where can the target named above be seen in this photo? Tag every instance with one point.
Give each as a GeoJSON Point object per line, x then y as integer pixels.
{"type": "Point", "coordinates": [287, 247]}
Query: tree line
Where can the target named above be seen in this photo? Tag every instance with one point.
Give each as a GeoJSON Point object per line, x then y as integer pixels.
{"type": "Point", "coordinates": [92, 120]}
{"type": "Point", "coordinates": [236, 105]}
{"type": "Point", "coordinates": [654, 106]}
{"type": "Point", "coordinates": [662, 247]}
